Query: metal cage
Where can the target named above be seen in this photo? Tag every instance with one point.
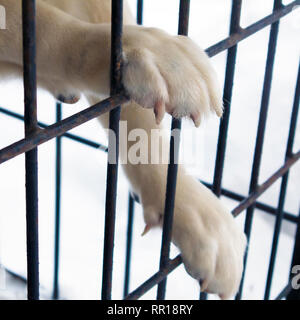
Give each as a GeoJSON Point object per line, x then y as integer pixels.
{"type": "Point", "coordinates": [37, 133]}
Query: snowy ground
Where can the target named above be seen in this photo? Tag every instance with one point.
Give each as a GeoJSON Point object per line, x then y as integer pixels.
{"type": "Point", "coordinates": [84, 169]}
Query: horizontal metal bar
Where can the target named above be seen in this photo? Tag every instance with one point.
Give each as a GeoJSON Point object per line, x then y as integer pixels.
{"type": "Point", "coordinates": [58, 129]}
{"type": "Point", "coordinates": [252, 29]}
{"type": "Point", "coordinates": [70, 136]}
{"type": "Point", "coordinates": [155, 279]}
{"type": "Point", "coordinates": [259, 205]}
{"type": "Point", "coordinates": [266, 185]}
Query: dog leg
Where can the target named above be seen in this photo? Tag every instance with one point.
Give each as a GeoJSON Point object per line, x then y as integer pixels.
{"type": "Point", "coordinates": [207, 235]}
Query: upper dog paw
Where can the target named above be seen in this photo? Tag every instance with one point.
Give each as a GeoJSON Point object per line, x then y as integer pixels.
{"type": "Point", "coordinates": [169, 74]}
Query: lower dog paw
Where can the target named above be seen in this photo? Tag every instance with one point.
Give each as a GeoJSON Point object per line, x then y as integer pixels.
{"type": "Point", "coordinates": [211, 244]}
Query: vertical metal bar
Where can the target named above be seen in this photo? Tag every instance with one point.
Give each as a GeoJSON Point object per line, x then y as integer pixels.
{"type": "Point", "coordinates": [112, 168]}
{"type": "Point", "coordinates": [294, 293]}
{"type": "Point", "coordinates": [31, 158]}
{"type": "Point", "coordinates": [140, 11]}
{"type": "Point", "coordinates": [227, 97]}
{"type": "Point", "coordinates": [131, 202]}
{"type": "Point", "coordinates": [283, 188]}
{"type": "Point", "coordinates": [261, 132]}
{"type": "Point", "coordinates": [129, 244]}
{"type": "Point", "coordinates": [236, 9]}
{"type": "Point", "coordinates": [172, 169]}
{"type": "Point", "coordinates": [55, 294]}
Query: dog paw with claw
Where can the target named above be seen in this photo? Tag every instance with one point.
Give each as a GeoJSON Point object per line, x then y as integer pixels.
{"type": "Point", "coordinates": [211, 244]}
{"type": "Point", "coordinates": [169, 74]}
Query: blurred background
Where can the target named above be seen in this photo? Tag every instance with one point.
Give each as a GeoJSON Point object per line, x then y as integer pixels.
{"type": "Point", "coordinates": [84, 169]}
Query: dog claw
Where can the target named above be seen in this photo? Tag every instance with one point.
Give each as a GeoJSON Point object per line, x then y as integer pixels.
{"type": "Point", "coordinates": [146, 230]}
{"type": "Point", "coordinates": [159, 111]}
{"type": "Point", "coordinates": [196, 117]}
{"type": "Point", "coordinates": [203, 285]}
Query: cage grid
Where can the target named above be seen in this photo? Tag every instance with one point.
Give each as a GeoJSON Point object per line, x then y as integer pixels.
{"type": "Point", "coordinates": [37, 133]}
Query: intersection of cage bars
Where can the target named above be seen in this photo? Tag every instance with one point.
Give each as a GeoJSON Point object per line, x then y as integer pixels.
{"type": "Point", "coordinates": [37, 133]}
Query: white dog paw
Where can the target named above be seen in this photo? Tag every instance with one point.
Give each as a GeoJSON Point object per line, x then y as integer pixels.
{"type": "Point", "coordinates": [169, 74]}
{"type": "Point", "coordinates": [211, 244]}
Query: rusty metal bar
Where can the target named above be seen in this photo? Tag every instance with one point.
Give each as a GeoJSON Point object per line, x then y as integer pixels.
{"type": "Point", "coordinates": [250, 200]}
{"type": "Point", "coordinates": [184, 11]}
{"type": "Point", "coordinates": [112, 168]}
{"type": "Point", "coordinates": [31, 157]}
{"type": "Point", "coordinates": [70, 136]}
{"type": "Point", "coordinates": [59, 128]}
{"type": "Point", "coordinates": [259, 205]}
{"type": "Point", "coordinates": [155, 279]}
{"type": "Point", "coordinates": [252, 29]}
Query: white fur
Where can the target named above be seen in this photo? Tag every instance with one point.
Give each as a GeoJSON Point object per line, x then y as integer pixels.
{"type": "Point", "coordinates": [161, 72]}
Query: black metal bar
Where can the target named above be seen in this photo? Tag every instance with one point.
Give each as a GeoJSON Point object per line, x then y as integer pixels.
{"type": "Point", "coordinates": [131, 200]}
{"type": "Point", "coordinates": [294, 294]}
{"type": "Point", "coordinates": [55, 294]}
{"type": "Point", "coordinates": [250, 200]}
{"type": "Point", "coordinates": [58, 129]}
{"type": "Point", "coordinates": [155, 279]}
{"type": "Point", "coordinates": [227, 96]}
{"type": "Point", "coordinates": [140, 11]}
{"type": "Point", "coordinates": [128, 244]}
{"type": "Point", "coordinates": [261, 132]}
{"type": "Point", "coordinates": [172, 169]}
{"type": "Point", "coordinates": [283, 188]}
{"type": "Point", "coordinates": [31, 157]}
{"type": "Point", "coordinates": [73, 137]}
{"type": "Point", "coordinates": [259, 205]}
{"type": "Point", "coordinates": [252, 29]}
{"type": "Point", "coordinates": [112, 168]}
